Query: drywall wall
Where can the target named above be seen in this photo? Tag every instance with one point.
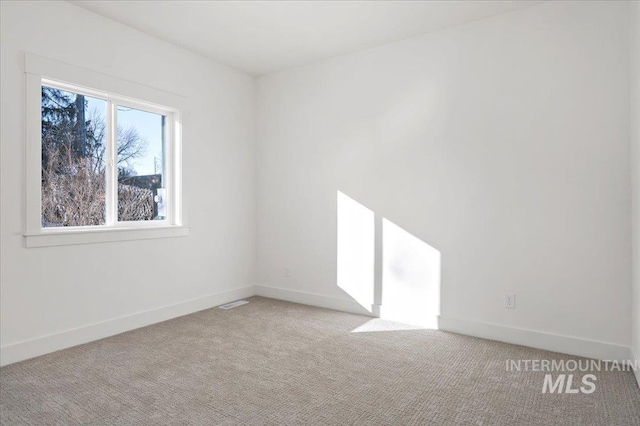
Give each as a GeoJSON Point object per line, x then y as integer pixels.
{"type": "Point", "coordinates": [60, 296]}
{"type": "Point", "coordinates": [635, 167]}
{"type": "Point", "coordinates": [502, 144]}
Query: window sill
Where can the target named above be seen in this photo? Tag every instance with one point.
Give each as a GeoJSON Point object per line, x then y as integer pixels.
{"type": "Point", "coordinates": [83, 236]}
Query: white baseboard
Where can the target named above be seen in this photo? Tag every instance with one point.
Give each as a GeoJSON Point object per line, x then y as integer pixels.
{"type": "Point", "coordinates": [552, 342]}
{"type": "Point", "coordinates": [636, 371]}
{"type": "Point", "coordinates": [31, 348]}
{"type": "Point", "coordinates": [534, 339]}
{"type": "Point", "coordinates": [313, 300]}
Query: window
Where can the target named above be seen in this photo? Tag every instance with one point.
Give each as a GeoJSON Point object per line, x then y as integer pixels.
{"type": "Point", "coordinates": [106, 161]}
{"type": "Point", "coordinates": [88, 140]}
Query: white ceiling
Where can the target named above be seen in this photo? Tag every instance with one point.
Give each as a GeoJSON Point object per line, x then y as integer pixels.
{"type": "Point", "coordinates": [265, 36]}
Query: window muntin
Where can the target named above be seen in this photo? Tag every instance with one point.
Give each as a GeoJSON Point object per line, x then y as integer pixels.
{"type": "Point", "coordinates": [115, 171]}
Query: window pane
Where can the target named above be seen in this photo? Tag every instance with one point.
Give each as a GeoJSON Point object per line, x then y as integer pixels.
{"type": "Point", "coordinates": [73, 159]}
{"type": "Point", "coordinates": [141, 193]}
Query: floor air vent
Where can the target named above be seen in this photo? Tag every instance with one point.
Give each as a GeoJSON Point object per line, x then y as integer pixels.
{"type": "Point", "coordinates": [233, 304]}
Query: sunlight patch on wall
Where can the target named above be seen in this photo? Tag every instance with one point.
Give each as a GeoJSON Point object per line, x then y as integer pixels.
{"type": "Point", "coordinates": [356, 250]}
{"type": "Point", "coordinates": [410, 278]}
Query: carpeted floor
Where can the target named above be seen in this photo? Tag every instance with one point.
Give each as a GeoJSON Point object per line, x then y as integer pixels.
{"type": "Point", "coordinates": [278, 363]}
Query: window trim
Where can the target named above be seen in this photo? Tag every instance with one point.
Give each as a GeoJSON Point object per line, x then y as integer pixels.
{"type": "Point", "coordinates": [41, 71]}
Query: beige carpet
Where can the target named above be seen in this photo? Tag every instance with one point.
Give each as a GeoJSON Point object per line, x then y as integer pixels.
{"type": "Point", "coordinates": [278, 363]}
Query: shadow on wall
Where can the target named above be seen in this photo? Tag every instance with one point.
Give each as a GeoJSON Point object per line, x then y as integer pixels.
{"type": "Point", "coordinates": [406, 288]}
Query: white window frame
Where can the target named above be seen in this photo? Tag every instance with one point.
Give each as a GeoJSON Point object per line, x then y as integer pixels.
{"type": "Point", "coordinates": [116, 92]}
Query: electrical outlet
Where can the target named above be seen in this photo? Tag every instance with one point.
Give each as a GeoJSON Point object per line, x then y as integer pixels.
{"type": "Point", "coordinates": [510, 301]}
{"type": "Point", "coordinates": [287, 274]}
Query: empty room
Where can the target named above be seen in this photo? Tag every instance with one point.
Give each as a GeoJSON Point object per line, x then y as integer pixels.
{"type": "Point", "coordinates": [319, 213]}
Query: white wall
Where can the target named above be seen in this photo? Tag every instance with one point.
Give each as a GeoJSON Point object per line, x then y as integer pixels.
{"type": "Point", "coordinates": [635, 164]}
{"type": "Point", "coordinates": [53, 290]}
{"type": "Point", "coordinates": [503, 144]}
